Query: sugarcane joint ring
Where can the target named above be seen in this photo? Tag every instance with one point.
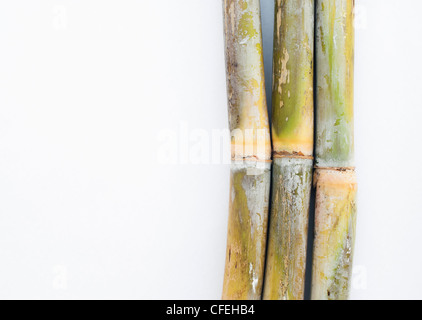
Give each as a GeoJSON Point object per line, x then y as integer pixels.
{"type": "Point", "coordinates": [295, 155]}
{"type": "Point", "coordinates": [335, 168]}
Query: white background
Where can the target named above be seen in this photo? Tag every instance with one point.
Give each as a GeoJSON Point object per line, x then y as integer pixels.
{"type": "Point", "coordinates": [89, 90]}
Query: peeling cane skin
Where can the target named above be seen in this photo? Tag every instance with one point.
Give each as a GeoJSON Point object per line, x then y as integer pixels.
{"type": "Point", "coordinates": [251, 144]}
{"type": "Point", "coordinates": [335, 178]}
{"type": "Point", "coordinates": [293, 82]}
{"type": "Point", "coordinates": [335, 228]}
{"type": "Point", "coordinates": [247, 231]}
{"type": "Point", "coordinates": [293, 141]}
{"type": "Point", "coordinates": [286, 253]}
{"type": "Point", "coordinates": [248, 115]}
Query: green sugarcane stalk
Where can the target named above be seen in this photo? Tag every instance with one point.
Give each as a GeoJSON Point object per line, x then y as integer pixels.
{"type": "Point", "coordinates": [335, 179]}
{"type": "Point", "coordinates": [293, 133]}
{"type": "Point", "coordinates": [251, 151]}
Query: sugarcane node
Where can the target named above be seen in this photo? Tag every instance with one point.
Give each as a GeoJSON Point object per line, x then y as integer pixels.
{"type": "Point", "coordinates": [349, 172]}
{"type": "Point", "coordinates": [335, 168]}
{"type": "Point", "coordinates": [295, 155]}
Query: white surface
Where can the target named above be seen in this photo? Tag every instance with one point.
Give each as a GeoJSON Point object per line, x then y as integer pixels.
{"type": "Point", "coordinates": [88, 93]}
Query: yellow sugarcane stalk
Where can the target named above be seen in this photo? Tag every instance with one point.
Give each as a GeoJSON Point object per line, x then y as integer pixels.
{"type": "Point", "coordinates": [293, 133]}
{"type": "Point", "coordinates": [335, 180]}
{"type": "Point", "coordinates": [251, 151]}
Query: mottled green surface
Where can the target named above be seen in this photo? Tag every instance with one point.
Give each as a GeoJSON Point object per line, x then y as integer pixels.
{"type": "Point", "coordinates": [335, 229]}
{"type": "Point", "coordinates": [293, 107]}
{"type": "Point", "coordinates": [248, 115]}
{"type": "Point", "coordinates": [288, 232]}
{"type": "Point", "coordinates": [247, 230]}
{"type": "Point", "coordinates": [334, 81]}
{"type": "Point", "coordinates": [335, 212]}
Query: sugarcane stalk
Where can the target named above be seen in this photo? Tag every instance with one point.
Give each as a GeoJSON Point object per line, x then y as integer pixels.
{"type": "Point", "coordinates": [293, 133]}
{"type": "Point", "coordinates": [251, 151]}
{"type": "Point", "coordinates": [335, 179]}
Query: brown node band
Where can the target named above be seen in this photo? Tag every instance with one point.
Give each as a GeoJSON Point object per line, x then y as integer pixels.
{"type": "Point", "coordinates": [335, 168]}
{"type": "Point", "coordinates": [294, 155]}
